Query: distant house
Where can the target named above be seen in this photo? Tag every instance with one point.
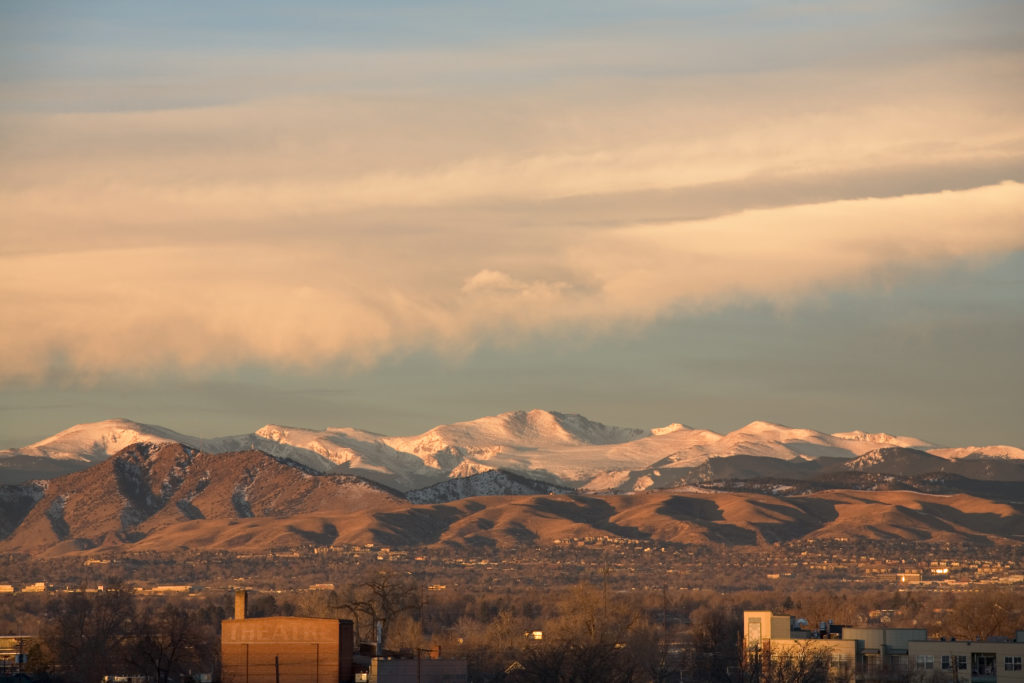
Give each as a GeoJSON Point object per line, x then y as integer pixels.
{"type": "Point", "coordinates": [175, 588]}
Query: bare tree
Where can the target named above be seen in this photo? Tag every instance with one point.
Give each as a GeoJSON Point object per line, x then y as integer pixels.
{"type": "Point", "coordinates": [381, 598]}
{"type": "Point", "coordinates": [807, 662]}
{"type": "Point", "coordinates": [596, 639]}
{"type": "Point", "coordinates": [169, 642]}
{"type": "Point", "coordinates": [87, 634]}
{"type": "Point", "coordinates": [983, 614]}
{"type": "Point", "coordinates": [716, 632]}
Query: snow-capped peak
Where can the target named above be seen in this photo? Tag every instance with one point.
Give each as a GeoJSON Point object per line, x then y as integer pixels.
{"type": "Point", "coordinates": [999, 452]}
{"type": "Point", "coordinates": [759, 426]}
{"type": "Point", "coordinates": [563, 448]}
{"type": "Point", "coordinates": [93, 441]}
{"type": "Point", "coordinates": [883, 438]}
{"type": "Point", "coordinates": [282, 433]}
{"type": "Point", "coordinates": [517, 429]}
{"type": "Point", "coordinates": [668, 429]}
{"type": "Point", "coordinates": [777, 432]}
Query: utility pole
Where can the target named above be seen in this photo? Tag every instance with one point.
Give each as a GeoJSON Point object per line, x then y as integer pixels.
{"type": "Point", "coordinates": [419, 662]}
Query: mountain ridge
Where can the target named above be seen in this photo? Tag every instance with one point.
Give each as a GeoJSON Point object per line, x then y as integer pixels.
{"type": "Point", "coordinates": [147, 487]}
{"type": "Point", "coordinates": [561, 449]}
{"type": "Point", "coordinates": [160, 496]}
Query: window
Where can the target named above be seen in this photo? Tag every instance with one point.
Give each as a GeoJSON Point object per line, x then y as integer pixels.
{"type": "Point", "coordinates": [754, 632]}
{"type": "Point", "coordinates": [983, 663]}
{"type": "Point", "coordinates": [961, 662]}
{"type": "Point", "coordinates": [1011, 664]}
{"type": "Point", "coordinates": [926, 661]}
{"type": "Point", "coordinates": [945, 663]}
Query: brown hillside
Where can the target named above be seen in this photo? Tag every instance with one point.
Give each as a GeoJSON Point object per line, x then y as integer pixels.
{"type": "Point", "coordinates": [168, 497]}
{"type": "Point", "coordinates": [145, 489]}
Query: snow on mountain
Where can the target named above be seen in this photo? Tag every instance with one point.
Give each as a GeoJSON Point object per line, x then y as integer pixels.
{"type": "Point", "coordinates": [351, 451]}
{"type": "Point", "coordinates": [896, 459]}
{"type": "Point", "coordinates": [779, 441]}
{"type": "Point", "coordinates": [770, 440]}
{"type": "Point", "coordinates": [668, 429]}
{"type": "Point", "coordinates": [94, 441]}
{"type": "Point", "coordinates": [866, 461]}
{"type": "Point", "coordinates": [883, 438]}
{"type": "Point", "coordinates": [469, 469]}
{"type": "Point", "coordinates": [557, 448]}
{"type": "Point", "coordinates": [1001, 452]}
{"type": "Point", "coordinates": [491, 483]}
{"type": "Point", "coordinates": [911, 462]}
{"type": "Point", "coordinates": [765, 439]}
{"type": "Point", "coordinates": [518, 429]}
{"type": "Point", "coordinates": [685, 448]}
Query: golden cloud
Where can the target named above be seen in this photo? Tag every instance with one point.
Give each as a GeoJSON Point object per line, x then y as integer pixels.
{"type": "Point", "coordinates": [135, 309]}
{"type": "Point", "coordinates": [304, 230]}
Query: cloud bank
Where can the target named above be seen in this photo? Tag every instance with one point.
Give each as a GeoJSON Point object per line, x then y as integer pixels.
{"type": "Point", "coordinates": [298, 231]}
{"type": "Point", "coordinates": [139, 308]}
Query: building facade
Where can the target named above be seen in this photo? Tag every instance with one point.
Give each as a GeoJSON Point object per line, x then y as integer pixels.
{"type": "Point", "coordinates": [416, 671]}
{"type": "Point", "coordinates": [307, 650]}
{"type": "Point", "coordinates": [294, 649]}
{"type": "Point", "coordinates": [974, 661]}
{"type": "Point", "coordinates": [883, 654]}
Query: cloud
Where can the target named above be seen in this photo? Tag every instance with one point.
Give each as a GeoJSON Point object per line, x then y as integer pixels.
{"type": "Point", "coordinates": [497, 282]}
{"type": "Point", "coordinates": [304, 230]}
{"type": "Point", "coordinates": [492, 280]}
{"type": "Point", "coordinates": [140, 309]}
{"type": "Point", "coordinates": [334, 155]}
{"type": "Point", "coordinates": [790, 252]}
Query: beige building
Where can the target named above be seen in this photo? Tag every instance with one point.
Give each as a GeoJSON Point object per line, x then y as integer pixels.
{"type": "Point", "coordinates": [761, 627]}
{"type": "Point", "coordinates": [778, 636]}
{"type": "Point", "coordinates": [882, 650]}
{"type": "Point", "coordinates": [974, 661]}
{"type": "Point", "coordinates": [876, 654]}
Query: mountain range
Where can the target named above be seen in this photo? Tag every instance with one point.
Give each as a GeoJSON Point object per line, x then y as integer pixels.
{"type": "Point", "coordinates": [561, 449]}
{"type": "Point", "coordinates": [517, 477]}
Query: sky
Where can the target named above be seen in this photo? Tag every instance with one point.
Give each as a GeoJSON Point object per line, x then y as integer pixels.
{"type": "Point", "coordinates": [393, 215]}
